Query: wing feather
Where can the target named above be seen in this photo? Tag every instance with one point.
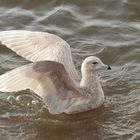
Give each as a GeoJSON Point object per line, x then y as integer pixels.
{"type": "Point", "coordinates": [15, 80]}
{"type": "Point", "coordinates": [47, 79]}
{"type": "Point", "coordinates": [38, 46]}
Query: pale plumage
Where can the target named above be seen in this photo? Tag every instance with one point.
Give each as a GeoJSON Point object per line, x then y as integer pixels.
{"type": "Point", "coordinates": [38, 46]}
{"type": "Point", "coordinates": [53, 80]}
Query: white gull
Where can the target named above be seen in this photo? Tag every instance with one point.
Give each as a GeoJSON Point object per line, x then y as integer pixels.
{"type": "Point", "coordinates": [52, 74]}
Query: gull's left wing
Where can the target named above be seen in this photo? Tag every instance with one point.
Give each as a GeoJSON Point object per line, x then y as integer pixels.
{"type": "Point", "coordinates": [47, 79]}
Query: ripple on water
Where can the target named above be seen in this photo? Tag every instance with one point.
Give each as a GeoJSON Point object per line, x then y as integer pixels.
{"type": "Point", "coordinates": [108, 29]}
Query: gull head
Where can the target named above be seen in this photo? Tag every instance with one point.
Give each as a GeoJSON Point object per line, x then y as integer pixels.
{"type": "Point", "coordinates": [93, 64]}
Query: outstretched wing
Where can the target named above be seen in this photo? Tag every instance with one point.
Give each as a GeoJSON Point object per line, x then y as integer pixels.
{"type": "Point", "coordinates": [47, 79]}
{"type": "Point", "coordinates": [38, 46]}
{"type": "Point", "coordinates": [34, 46]}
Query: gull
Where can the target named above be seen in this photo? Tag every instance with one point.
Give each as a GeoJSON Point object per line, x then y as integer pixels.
{"type": "Point", "coordinates": [51, 73]}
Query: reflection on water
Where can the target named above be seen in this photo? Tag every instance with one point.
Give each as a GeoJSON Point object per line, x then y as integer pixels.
{"type": "Point", "coordinates": [108, 29]}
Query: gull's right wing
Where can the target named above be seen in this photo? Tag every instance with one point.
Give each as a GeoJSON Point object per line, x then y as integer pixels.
{"type": "Point", "coordinates": [39, 46]}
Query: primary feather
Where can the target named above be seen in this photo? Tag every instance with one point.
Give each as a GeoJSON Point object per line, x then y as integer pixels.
{"type": "Point", "coordinates": [38, 46]}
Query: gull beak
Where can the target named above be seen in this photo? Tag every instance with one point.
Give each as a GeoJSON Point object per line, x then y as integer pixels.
{"type": "Point", "coordinates": [109, 68]}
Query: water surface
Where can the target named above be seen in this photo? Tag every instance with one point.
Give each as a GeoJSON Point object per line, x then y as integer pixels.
{"type": "Point", "coordinates": [109, 29]}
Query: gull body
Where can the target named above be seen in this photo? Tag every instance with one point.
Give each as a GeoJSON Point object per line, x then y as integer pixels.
{"type": "Point", "coordinates": [53, 77]}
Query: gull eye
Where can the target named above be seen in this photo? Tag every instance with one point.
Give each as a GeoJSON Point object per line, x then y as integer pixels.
{"type": "Point", "coordinates": [94, 63]}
